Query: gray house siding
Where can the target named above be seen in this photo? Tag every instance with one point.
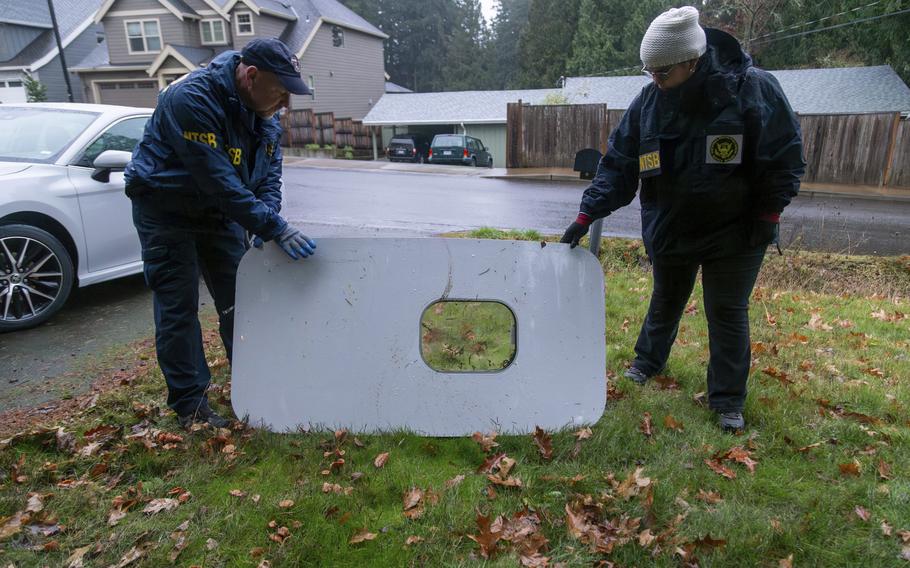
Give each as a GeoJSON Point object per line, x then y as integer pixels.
{"type": "Point", "coordinates": [52, 73]}
{"type": "Point", "coordinates": [348, 80]}
{"type": "Point", "coordinates": [13, 39]}
{"type": "Point", "coordinates": [171, 28]}
{"type": "Point", "coordinates": [263, 26]}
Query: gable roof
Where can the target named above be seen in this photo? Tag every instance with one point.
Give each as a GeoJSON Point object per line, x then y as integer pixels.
{"type": "Point", "coordinates": [278, 8]}
{"type": "Point", "coordinates": [190, 57]}
{"type": "Point", "coordinates": [310, 16]}
{"type": "Point", "coordinates": [391, 87]}
{"type": "Point", "coordinates": [177, 7]}
{"type": "Point", "coordinates": [73, 18]}
{"type": "Point", "coordinates": [838, 90]}
{"type": "Point", "coordinates": [468, 107]}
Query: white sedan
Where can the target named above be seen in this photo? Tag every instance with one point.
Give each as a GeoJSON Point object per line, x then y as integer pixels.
{"type": "Point", "coordinates": [64, 219]}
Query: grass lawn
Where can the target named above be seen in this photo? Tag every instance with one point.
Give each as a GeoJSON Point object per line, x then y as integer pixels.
{"type": "Point", "coordinates": [820, 477]}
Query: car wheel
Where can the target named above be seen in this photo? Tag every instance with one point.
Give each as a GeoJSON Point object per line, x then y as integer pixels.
{"type": "Point", "coordinates": [36, 276]}
{"type": "Point", "coordinates": [490, 163]}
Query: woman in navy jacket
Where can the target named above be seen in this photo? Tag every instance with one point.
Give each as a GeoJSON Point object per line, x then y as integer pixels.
{"type": "Point", "coordinates": [717, 151]}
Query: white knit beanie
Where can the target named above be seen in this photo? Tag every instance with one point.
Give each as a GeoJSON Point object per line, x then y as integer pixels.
{"type": "Point", "coordinates": [673, 37]}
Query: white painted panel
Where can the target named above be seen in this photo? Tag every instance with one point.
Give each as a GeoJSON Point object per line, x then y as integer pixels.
{"type": "Point", "coordinates": [334, 340]}
{"type": "Point", "coordinates": [12, 89]}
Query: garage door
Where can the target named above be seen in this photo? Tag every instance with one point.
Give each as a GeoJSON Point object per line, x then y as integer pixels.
{"type": "Point", "coordinates": [129, 93]}
{"type": "Point", "coordinates": [12, 91]}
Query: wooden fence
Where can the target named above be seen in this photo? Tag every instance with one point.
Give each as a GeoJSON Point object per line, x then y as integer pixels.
{"type": "Point", "coordinates": [303, 126]}
{"type": "Point", "coordinates": [857, 149]}
{"type": "Point", "coordinates": [547, 136]}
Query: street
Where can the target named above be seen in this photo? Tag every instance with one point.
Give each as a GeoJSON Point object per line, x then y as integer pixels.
{"type": "Point", "coordinates": [55, 359]}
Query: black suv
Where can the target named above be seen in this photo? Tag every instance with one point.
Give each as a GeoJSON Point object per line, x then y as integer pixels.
{"type": "Point", "coordinates": [459, 149]}
{"type": "Point", "coordinates": [408, 148]}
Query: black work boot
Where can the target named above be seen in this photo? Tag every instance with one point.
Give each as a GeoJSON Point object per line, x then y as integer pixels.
{"type": "Point", "coordinates": [731, 421]}
{"type": "Point", "coordinates": [636, 375]}
{"type": "Point", "coordinates": [203, 415]}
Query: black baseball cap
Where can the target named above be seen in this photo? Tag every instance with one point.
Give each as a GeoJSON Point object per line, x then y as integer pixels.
{"type": "Point", "coordinates": [270, 54]}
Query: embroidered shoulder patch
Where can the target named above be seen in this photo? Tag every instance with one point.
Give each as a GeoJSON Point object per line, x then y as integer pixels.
{"type": "Point", "coordinates": [724, 149]}
{"type": "Point", "coordinates": [649, 161]}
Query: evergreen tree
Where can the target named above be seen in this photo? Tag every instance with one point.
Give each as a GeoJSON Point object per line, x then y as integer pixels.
{"type": "Point", "coordinates": [510, 23]}
{"type": "Point", "coordinates": [546, 46]}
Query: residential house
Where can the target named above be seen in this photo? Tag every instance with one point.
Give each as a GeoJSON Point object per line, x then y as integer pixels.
{"type": "Point", "coordinates": [28, 46]}
{"type": "Point", "coordinates": [482, 114]}
{"type": "Point", "coordinates": [150, 43]}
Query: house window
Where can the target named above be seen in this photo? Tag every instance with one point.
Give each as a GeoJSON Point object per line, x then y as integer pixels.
{"type": "Point", "coordinates": [143, 36]}
{"type": "Point", "coordinates": [244, 21]}
{"type": "Point", "coordinates": [212, 32]}
{"type": "Point", "coordinates": [337, 36]}
{"type": "Point", "coordinates": [14, 84]}
{"type": "Point", "coordinates": [312, 85]}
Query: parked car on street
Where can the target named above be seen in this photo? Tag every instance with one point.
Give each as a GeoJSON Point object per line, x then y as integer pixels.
{"type": "Point", "coordinates": [408, 148]}
{"type": "Point", "coordinates": [459, 149]}
{"type": "Point", "coordinates": [64, 219]}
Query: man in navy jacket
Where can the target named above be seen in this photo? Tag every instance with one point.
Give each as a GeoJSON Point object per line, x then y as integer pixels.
{"type": "Point", "coordinates": [718, 153]}
{"type": "Point", "coordinates": [208, 169]}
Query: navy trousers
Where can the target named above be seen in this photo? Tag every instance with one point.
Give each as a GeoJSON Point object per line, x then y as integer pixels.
{"type": "Point", "coordinates": [727, 284]}
{"type": "Point", "coordinates": [181, 241]}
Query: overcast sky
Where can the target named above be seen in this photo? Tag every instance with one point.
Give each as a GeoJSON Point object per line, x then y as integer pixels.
{"type": "Point", "coordinates": [489, 9]}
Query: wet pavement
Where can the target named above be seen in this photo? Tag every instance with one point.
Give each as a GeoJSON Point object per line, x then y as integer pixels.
{"type": "Point", "coordinates": [57, 358]}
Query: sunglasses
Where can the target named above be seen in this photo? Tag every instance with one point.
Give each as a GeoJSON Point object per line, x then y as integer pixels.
{"type": "Point", "coordinates": [660, 74]}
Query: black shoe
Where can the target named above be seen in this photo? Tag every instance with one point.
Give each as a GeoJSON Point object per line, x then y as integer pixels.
{"type": "Point", "coordinates": [204, 415]}
{"type": "Point", "coordinates": [731, 421]}
{"type": "Point", "coordinates": [636, 375]}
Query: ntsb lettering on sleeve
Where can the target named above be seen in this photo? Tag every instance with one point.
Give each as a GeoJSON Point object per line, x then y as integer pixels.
{"type": "Point", "coordinates": [204, 137]}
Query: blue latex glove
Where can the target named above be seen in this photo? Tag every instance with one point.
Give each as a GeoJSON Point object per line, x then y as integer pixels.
{"type": "Point", "coordinates": [295, 244]}
{"type": "Point", "coordinates": [257, 242]}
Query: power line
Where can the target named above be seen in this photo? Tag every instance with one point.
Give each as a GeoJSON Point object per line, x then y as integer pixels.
{"type": "Point", "coordinates": [850, 23]}
{"type": "Point", "coordinates": [809, 23]}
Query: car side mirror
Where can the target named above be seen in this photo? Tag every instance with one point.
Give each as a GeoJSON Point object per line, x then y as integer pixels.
{"type": "Point", "coordinates": [486, 148]}
{"type": "Point", "coordinates": [108, 161]}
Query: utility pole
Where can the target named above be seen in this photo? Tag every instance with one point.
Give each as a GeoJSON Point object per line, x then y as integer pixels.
{"type": "Point", "coordinates": [66, 72]}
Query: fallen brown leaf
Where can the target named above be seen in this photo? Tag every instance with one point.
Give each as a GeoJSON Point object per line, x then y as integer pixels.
{"type": "Point", "coordinates": [884, 470]}
{"type": "Point", "coordinates": [285, 504]}
{"type": "Point", "coordinates": [362, 535]}
{"type": "Point", "coordinates": [720, 468]}
{"type": "Point", "coordinates": [710, 497]}
{"type": "Point", "coordinates": [851, 468]}
{"type": "Point", "coordinates": [666, 383]}
{"type": "Point", "coordinates": [381, 460]}
{"type": "Point", "coordinates": [455, 481]}
{"type": "Point", "coordinates": [155, 506]}
{"type": "Point", "coordinates": [486, 538]}
{"type": "Point", "coordinates": [862, 513]}
{"type": "Point", "coordinates": [670, 423]}
{"type": "Point", "coordinates": [412, 540]}
{"type": "Point", "coordinates": [645, 426]}
{"type": "Point", "coordinates": [413, 503]}
{"type": "Point", "coordinates": [544, 442]}
{"type": "Point", "coordinates": [487, 441]}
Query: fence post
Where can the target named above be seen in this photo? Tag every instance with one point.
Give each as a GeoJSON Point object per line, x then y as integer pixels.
{"type": "Point", "coordinates": [886, 175]}
{"type": "Point", "coordinates": [373, 135]}
{"type": "Point", "coordinates": [596, 230]}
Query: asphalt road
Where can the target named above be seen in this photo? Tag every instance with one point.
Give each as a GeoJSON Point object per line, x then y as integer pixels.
{"type": "Point", "coordinates": [57, 358]}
